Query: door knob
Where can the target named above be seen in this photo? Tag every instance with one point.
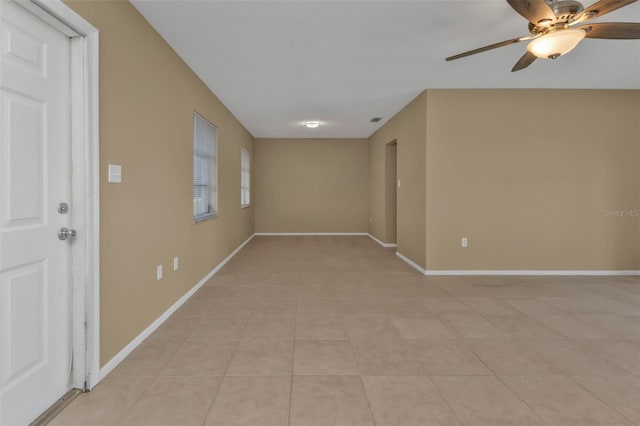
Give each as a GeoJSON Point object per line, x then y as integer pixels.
{"type": "Point", "coordinates": [65, 233]}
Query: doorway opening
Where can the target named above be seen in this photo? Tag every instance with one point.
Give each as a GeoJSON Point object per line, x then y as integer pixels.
{"type": "Point", "coordinates": [391, 188]}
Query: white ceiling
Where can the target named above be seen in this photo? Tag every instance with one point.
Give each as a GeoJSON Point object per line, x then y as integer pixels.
{"type": "Point", "coordinates": [275, 64]}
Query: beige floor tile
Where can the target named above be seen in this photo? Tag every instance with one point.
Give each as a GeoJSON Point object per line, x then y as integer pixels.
{"type": "Point", "coordinates": [403, 306]}
{"type": "Point", "coordinates": [324, 357]}
{"type": "Point", "coordinates": [591, 304]}
{"type": "Point", "coordinates": [220, 307]}
{"type": "Point", "coordinates": [396, 288]}
{"type": "Point", "coordinates": [406, 401]}
{"type": "Point", "coordinates": [510, 290]}
{"type": "Point", "coordinates": [356, 308]}
{"type": "Point", "coordinates": [325, 290]}
{"type": "Point", "coordinates": [447, 358]}
{"type": "Point", "coordinates": [560, 401]}
{"type": "Point", "coordinates": [106, 404]}
{"type": "Point", "coordinates": [329, 401]}
{"type": "Point", "coordinates": [263, 327]}
{"type": "Point", "coordinates": [174, 401]}
{"type": "Point", "coordinates": [444, 305]}
{"type": "Point", "coordinates": [320, 327]}
{"type": "Point", "coordinates": [623, 353]}
{"type": "Point", "coordinates": [251, 401]}
{"type": "Point", "coordinates": [622, 326]}
{"type": "Point", "coordinates": [148, 359]}
{"type": "Point", "coordinates": [532, 306]}
{"type": "Point", "coordinates": [236, 292]}
{"type": "Point", "coordinates": [386, 357]}
{"type": "Point", "coordinates": [508, 357]}
{"type": "Point", "coordinates": [262, 358]}
{"type": "Point", "coordinates": [622, 393]}
{"type": "Point", "coordinates": [219, 327]}
{"type": "Point", "coordinates": [275, 306]}
{"type": "Point", "coordinates": [318, 306]}
{"type": "Point", "coordinates": [201, 359]}
{"type": "Point", "coordinates": [461, 289]}
{"type": "Point", "coordinates": [487, 306]}
{"type": "Point", "coordinates": [361, 305]}
{"type": "Point", "coordinates": [422, 328]}
{"type": "Point", "coordinates": [574, 327]}
{"type": "Point", "coordinates": [573, 358]}
{"type": "Point", "coordinates": [471, 326]}
{"type": "Point", "coordinates": [520, 326]}
{"type": "Point", "coordinates": [370, 327]}
{"type": "Point", "coordinates": [484, 400]}
{"type": "Point", "coordinates": [177, 327]}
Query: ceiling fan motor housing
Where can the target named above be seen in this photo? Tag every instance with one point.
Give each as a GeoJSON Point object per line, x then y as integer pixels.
{"type": "Point", "coordinates": [565, 11]}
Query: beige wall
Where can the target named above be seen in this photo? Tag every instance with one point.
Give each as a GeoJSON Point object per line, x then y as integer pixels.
{"type": "Point", "coordinates": [311, 185]}
{"type": "Point", "coordinates": [499, 167]}
{"type": "Point", "coordinates": [527, 176]}
{"type": "Point", "coordinates": [408, 129]}
{"type": "Point", "coordinates": [147, 98]}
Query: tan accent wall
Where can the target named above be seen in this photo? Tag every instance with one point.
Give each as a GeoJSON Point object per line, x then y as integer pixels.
{"type": "Point", "coordinates": [408, 129]}
{"type": "Point", "coordinates": [311, 185]}
{"type": "Point", "coordinates": [147, 99]}
{"type": "Point", "coordinates": [529, 176]}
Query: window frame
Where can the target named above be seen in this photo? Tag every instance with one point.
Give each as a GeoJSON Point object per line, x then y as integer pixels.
{"type": "Point", "coordinates": [244, 188]}
{"type": "Point", "coordinates": [212, 186]}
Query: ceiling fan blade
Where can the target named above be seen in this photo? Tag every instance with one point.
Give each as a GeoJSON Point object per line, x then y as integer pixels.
{"type": "Point", "coordinates": [533, 10]}
{"type": "Point", "coordinates": [613, 30]}
{"type": "Point", "coordinates": [485, 48]}
{"type": "Point", "coordinates": [602, 7]}
{"type": "Point", "coordinates": [526, 60]}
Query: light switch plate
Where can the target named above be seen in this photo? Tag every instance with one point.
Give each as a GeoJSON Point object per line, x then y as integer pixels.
{"type": "Point", "coordinates": [115, 173]}
{"type": "Point", "coordinates": [175, 263]}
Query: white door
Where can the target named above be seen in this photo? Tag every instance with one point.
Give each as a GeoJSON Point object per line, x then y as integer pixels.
{"type": "Point", "coordinates": [35, 177]}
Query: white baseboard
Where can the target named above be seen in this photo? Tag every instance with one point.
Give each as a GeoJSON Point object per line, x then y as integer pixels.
{"type": "Point", "coordinates": [533, 272]}
{"type": "Point", "coordinates": [381, 243]}
{"type": "Point", "coordinates": [411, 262]}
{"type": "Point", "coordinates": [273, 234]}
{"type": "Point", "coordinates": [120, 356]}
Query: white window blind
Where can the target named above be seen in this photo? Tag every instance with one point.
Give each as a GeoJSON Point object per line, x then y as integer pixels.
{"type": "Point", "coordinates": [205, 191]}
{"type": "Point", "coordinates": [245, 177]}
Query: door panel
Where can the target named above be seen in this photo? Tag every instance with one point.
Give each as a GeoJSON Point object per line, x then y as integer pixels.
{"type": "Point", "coordinates": [23, 164]}
{"type": "Point", "coordinates": [35, 176]}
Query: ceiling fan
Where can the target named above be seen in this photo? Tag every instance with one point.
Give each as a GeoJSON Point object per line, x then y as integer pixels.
{"type": "Point", "coordinates": [557, 26]}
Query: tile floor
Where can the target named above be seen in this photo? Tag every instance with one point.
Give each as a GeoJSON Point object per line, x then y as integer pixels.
{"type": "Point", "coordinates": [338, 331]}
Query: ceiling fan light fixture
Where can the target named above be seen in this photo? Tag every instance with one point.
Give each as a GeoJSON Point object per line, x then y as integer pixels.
{"type": "Point", "coordinates": [556, 43]}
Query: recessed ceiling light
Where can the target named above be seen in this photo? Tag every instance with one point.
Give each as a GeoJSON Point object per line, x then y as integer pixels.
{"type": "Point", "coordinates": [312, 124]}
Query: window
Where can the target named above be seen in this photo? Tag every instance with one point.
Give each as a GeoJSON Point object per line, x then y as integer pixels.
{"type": "Point", "coordinates": [205, 191]}
{"type": "Point", "coordinates": [245, 178]}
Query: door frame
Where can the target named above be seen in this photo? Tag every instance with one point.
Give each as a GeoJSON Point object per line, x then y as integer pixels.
{"type": "Point", "coordinates": [85, 186]}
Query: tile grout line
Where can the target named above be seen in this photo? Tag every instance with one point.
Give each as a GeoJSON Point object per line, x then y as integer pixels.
{"type": "Point", "coordinates": [128, 410]}
{"type": "Point", "coordinates": [443, 398]}
{"type": "Point", "coordinates": [366, 398]}
{"type": "Point", "coordinates": [535, 412]}
{"type": "Point", "coordinates": [224, 375]}
{"type": "Point", "coordinates": [600, 399]}
{"type": "Point", "coordinates": [293, 355]}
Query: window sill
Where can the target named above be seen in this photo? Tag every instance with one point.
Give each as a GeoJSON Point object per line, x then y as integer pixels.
{"type": "Point", "coordinates": [204, 217]}
{"type": "Point", "coordinates": [245, 206]}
